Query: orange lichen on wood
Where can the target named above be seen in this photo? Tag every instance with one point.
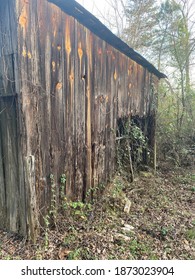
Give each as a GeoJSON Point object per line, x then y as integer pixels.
{"type": "Point", "coordinates": [59, 48]}
{"type": "Point", "coordinates": [67, 38]}
{"type": "Point", "coordinates": [53, 66]}
{"type": "Point", "coordinates": [80, 52]}
{"type": "Point", "coordinates": [59, 86]}
{"type": "Point", "coordinates": [115, 75]}
{"type": "Point", "coordinates": [22, 21]}
{"type": "Point", "coordinates": [23, 16]}
{"type": "Point", "coordinates": [24, 52]}
{"type": "Point", "coordinates": [72, 77]}
{"type": "Point", "coordinates": [29, 55]}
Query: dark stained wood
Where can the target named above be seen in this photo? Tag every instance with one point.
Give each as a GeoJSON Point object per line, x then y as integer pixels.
{"type": "Point", "coordinates": [9, 191]}
{"type": "Point", "coordinates": [80, 109]}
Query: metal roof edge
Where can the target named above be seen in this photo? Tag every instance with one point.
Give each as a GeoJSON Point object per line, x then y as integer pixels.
{"type": "Point", "coordinates": [74, 9]}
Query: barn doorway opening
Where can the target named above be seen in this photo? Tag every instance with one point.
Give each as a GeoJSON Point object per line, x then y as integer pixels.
{"type": "Point", "coordinates": [134, 144]}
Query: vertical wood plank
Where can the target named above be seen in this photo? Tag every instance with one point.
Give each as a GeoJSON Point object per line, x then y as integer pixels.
{"type": "Point", "coordinates": [32, 209]}
{"type": "Point", "coordinates": [88, 168]}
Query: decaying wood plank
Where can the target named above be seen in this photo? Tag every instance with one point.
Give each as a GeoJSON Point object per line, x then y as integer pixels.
{"type": "Point", "coordinates": [32, 209]}
{"type": "Point", "coordinates": [88, 169]}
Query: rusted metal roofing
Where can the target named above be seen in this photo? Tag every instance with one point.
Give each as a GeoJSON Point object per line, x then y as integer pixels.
{"type": "Point", "coordinates": [77, 11]}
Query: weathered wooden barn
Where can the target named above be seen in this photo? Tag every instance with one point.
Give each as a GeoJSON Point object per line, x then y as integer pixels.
{"type": "Point", "coordinates": [65, 80]}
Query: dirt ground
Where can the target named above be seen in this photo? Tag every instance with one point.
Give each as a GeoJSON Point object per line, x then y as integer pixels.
{"type": "Point", "coordinates": [151, 218]}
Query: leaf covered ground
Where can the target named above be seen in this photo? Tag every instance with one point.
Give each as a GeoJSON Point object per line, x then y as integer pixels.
{"type": "Point", "coordinates": [160, 224]}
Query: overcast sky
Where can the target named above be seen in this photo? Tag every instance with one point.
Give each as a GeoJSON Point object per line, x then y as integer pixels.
{"type": "Point", "coordinates": [93, 6]}
{"type": "Point", "coordinates": [88, 4]}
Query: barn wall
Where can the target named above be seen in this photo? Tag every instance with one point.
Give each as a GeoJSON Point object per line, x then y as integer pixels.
{"type": "Point", "coordinates": [12, 191]}
{"type": "Point", "coordinates": [72, 88]}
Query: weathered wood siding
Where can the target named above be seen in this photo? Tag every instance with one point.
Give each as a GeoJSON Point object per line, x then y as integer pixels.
{"type": "Point", "coordinates": [72, 88]}
{"type": "Point", "coordinates": [12, 190]}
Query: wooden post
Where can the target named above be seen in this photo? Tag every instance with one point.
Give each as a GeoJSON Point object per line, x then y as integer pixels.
{"type": "Point", "coordinates": [32, 211]}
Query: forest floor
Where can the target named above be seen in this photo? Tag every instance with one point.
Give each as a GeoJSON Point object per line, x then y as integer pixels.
{"type": "Point", "coordinates": [151, 218]}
